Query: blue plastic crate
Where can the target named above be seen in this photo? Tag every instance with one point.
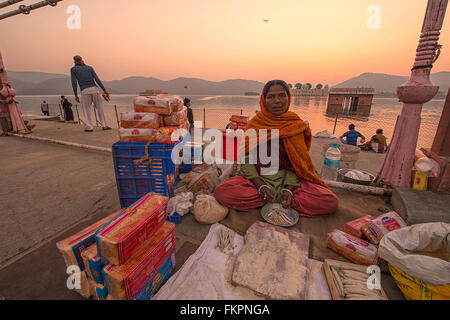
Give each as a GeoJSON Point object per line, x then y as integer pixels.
{"type": "Point", "coordinates": [175, 218]}
{"type": "Point", "coordinates": [136, 180]}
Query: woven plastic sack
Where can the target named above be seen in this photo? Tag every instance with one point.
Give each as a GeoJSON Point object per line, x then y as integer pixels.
{"type": "Point", "coordinates": [421, 251]}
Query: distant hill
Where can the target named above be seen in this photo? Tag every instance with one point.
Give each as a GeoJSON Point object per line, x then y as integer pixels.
{"type": "Point", "coordinates": [386, 83]}
{"type": "Point", "coordinates": [38, 83]}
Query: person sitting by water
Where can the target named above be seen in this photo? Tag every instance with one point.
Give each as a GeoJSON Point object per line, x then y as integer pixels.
{"type": "Point", "coordinates": [44, 108]}
{"type": "Point", "coordinates": [377, 143]}
{"type": "Point", "coordinates": [352, 136]}
{"type": "Point", "coordinates": [295, 184]}
{"type": "Point", "coordinates": [229, 124]}
{"type": "Point", "coordinates": [67, 107]}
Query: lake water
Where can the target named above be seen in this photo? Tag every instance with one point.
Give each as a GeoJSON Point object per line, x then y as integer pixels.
{"type": "Point", "coordinates": [218, 110]}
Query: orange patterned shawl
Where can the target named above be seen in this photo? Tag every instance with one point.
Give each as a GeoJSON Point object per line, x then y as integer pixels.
{"type": "Point", "coordinates": [295, 134]}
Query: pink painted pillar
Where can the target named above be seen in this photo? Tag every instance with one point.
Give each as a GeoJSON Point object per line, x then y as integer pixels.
{"type": "Point", "coordinates": [7, 101]}
{"type": "Point", "coordinates": [397, 166]}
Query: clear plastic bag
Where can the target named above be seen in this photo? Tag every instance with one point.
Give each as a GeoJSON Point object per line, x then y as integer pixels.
{"type": "Point", "coordinates": [425, 165]}
{"type": "Point", "coordinates": [180, 204]}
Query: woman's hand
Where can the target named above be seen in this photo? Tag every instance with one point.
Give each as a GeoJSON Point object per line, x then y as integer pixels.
{"type": "Point", "coordinates": [287, 198]}
{"type": "Point", "coordinates": [267, 195]}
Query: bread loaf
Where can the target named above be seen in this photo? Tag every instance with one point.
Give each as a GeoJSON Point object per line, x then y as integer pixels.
{"type": "Point", "coordinates": [136, 135]}
{"type": "Point", "coordinates": [142, 120]}
{"type": "Point", "coordinates": [125, 281]}
{"type": "Point", "coordinates": [120, 239]}
{"type": "Point", "coordinates": [376, 229]}
{"type": "Point", "coordinates": [176, 118]}
{"type": "Point", "coordinates": [154, 104]}
{"type": "Point", "coordinates": [352, 248]}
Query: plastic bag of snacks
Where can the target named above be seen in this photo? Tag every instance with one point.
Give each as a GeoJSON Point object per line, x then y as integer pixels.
{"type": "Point", "coordinates": [93, 263]}
{"type": "Point", "coordinates": [354, 227]}
{"type": "Point", "coordinates": [164, 135]}
{"type": "Point", "coordinates": [376, 229]}
{"type": "Point", "coordinates": [153, 104]}
{"type": "Point", "coordinates": [352, 248]}
{"type": "Point", "coordinates": [176, 118]}
{"type": "Point", "coordinates": [175, 101]}
{"type": "Point", "coordinates": [122, 237]}
{"type": "Point", "coordinates": [144, 120]}
{"type": "Point", "coordinates": [124, 282]}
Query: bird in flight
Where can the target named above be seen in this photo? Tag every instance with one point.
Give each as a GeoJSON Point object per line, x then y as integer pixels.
{"type": "Point", "coordinates": [266, 20]}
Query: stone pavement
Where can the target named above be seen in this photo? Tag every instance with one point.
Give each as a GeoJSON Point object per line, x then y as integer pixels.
{"type": "Point", "coordinates": [52, 191]}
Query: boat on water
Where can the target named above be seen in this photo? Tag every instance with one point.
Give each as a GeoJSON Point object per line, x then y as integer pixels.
{"type": "Point", "coordinates": [252, 94]}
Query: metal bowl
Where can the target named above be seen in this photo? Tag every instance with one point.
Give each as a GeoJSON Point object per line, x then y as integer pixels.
{"type": "Point", "coordinates": [289, 212]}
{"type": "Point", "coordinates": [343, 178]}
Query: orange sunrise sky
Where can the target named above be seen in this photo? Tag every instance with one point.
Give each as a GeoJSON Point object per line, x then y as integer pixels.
{"type": "Point", "coordinates": [305, 41]}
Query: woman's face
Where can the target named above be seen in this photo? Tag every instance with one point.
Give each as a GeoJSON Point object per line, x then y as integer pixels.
{"type": "Point", "coordinates": [277, 100]}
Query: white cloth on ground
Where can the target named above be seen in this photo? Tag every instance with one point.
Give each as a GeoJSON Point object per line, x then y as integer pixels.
{"type": "Point", "coordinates": [206, 275]}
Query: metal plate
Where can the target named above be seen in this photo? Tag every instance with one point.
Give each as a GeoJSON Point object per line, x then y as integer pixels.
{"type": "Point", "coordinates": [289, 212]}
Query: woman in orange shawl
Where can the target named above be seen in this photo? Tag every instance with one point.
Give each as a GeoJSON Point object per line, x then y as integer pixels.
{"type": "Point", "coordinates": [295, 184]}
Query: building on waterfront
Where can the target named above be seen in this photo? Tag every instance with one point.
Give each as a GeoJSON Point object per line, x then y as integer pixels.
{"type": "Point", "coordinates": [309, 92]}
{"type": "Point", "coordinates": [350, 100]}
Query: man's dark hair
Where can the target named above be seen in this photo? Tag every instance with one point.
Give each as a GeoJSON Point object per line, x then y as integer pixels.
{"type": "Point", "coordinates": [43, 101]}
{"type": "Point", "coordinates": [380, 131]}
{"type": "Point", "coordinates": [186, 101]}
{"type": "Point", "coordinates": [351, 127]}
{"type": "Point", "coordinates": [62, 97]}
{"type": "Point", "coordinates": [272, 83]}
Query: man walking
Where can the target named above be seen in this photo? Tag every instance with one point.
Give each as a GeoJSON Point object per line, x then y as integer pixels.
{"type": "Point", "coordinates": [87, 80]}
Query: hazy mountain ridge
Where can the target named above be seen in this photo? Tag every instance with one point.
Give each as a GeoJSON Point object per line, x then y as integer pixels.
{"type": "Point", "coordinates": [40, 83]}
{"type": "Point", "coordinates": [387, 83]}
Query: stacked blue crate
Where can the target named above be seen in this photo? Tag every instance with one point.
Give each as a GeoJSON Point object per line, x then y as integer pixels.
{"type": "Point", "coordinates": [135, 180]}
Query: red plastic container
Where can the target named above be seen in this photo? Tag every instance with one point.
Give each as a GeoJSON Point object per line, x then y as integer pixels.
{"type": "Point", "coordinates": [231, 155]}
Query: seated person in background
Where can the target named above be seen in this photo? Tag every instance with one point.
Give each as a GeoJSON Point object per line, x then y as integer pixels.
{"type": "Point", "coordinates": [294, 183]}
{"type": "Point", "coordinates": [352, 136]}
{"type": "Point", "coordinates": [377, 143]}
{"type": "Point", "coordinates": [228, 125]}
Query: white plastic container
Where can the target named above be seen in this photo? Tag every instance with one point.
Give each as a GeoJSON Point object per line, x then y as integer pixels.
{"type": "Point", "coordinates": [331, 163]}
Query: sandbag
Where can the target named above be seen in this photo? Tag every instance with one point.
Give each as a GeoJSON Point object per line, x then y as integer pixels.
{"type": "Point", "coordinates": [126, 281]}
{"type": "Point", "coordinates": [376, 229]}
{"type": "Point", "coordinates": [121, 238]}
{"type": "Point", "coordinates": [352, 248]}
{"type": "Point", "coordinates": [421, 251]}
{"type": "Point", "coordinates": [208, 211]}
{"type": "Point", "coordinates": [93, 263]}
{"type": "Point", "coordinates": [143, 120]}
